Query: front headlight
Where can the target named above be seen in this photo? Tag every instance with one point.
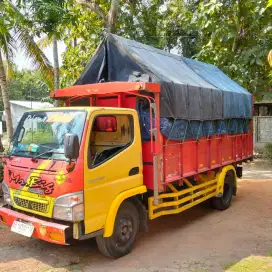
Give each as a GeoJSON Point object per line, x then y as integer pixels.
{"type": "Point", "coordinates": [70, 207]}
{"type": "Point", "coordinates": [6, 194]}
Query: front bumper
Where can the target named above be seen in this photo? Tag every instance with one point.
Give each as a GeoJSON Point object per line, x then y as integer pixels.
{"type": "Point", "coordinates": [47, 231]}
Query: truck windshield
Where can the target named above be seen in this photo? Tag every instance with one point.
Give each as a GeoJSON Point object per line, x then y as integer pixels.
{"type": "Point", "coordinates": [41, 133]}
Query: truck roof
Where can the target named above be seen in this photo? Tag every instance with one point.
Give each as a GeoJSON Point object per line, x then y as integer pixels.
{"type": "Point", "coordinates": [88, 90]}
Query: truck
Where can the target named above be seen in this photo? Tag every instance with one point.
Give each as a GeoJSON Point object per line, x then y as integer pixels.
{"type": "Point", "coordinates": [142, 134]}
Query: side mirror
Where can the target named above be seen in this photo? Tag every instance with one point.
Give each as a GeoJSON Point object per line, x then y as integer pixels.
{"type": "Point", "coordinates": [71, 146]}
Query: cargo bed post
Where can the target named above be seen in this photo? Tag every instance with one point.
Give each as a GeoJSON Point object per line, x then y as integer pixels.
{"type": "Point", "coordinates": [155, 132]}
{"type": "Point", "coordinates": [154, 107]}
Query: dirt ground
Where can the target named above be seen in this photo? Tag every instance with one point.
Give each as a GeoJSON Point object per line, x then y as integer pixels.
{"type": "Point", "coordinates": [198, 240]}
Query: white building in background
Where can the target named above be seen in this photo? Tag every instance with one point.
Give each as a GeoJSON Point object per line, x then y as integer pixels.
{"type": "Point", "coordinates": [18, 107]}
{"type": "Point", "coordinates": [262, 124]}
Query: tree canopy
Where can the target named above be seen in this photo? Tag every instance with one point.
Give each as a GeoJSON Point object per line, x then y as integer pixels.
{"type": "Point", "coordinates": [27, 85]}
{"type": "Point", "coordinates": [235, 35]}
{"type": "Point", "coordinates": [139, 20]}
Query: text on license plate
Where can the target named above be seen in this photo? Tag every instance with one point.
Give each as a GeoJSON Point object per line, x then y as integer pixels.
{"type": "Point", "coordinates": [22, 228]}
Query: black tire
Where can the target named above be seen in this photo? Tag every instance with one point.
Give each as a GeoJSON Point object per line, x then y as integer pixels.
{"type": "Point", "coordinates": [126, 228]}
{"type": "Point", "coordinates": [224, 202]}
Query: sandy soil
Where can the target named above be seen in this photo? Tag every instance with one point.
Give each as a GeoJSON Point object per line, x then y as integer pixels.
{"type": "Point", "coordinates": [198, 240]}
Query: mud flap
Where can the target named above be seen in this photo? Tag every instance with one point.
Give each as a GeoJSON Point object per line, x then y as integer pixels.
{"type": "Point", "coordinates": [239, 171]}
{"type": "Point", "coordinates": [142, 212]}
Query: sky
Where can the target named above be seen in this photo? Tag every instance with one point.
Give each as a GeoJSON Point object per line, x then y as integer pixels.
{"type": "Point", "coordinates": [25, 63]}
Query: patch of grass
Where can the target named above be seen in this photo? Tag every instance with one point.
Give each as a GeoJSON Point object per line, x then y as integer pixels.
{"type": "Point", "coordinates": [75, 268]}
{"type": "Point", "coordinates": [270, 253]}
{"type": "Point", "coordinates": [268, 151]}
{"type": "Point", "coordinates": [56, 270]}
{"type": "Point", "coordinates": [252, 264]}
{"type": "Point", "coordinates": [229, 265]}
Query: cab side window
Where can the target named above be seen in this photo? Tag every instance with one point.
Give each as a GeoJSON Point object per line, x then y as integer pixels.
{"type": "Point", "coordinates": [110, 135]}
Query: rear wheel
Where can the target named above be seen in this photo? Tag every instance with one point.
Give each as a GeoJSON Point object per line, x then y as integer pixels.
{"type": "Point", "coordinates": [223, 202]}
{"type": "Point", "coordinates": [126, 227]}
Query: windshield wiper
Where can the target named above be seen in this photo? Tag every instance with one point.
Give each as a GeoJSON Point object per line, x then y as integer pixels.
{"type": "Point", "coordinates": [46, 152]}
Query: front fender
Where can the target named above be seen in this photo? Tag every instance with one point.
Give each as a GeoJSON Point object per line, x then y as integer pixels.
{"type": "Point", "coordinates": [109, 225]}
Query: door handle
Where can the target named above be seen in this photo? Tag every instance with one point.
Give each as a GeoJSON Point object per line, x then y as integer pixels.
{"type": "Point", "coordinates": [134, 171]}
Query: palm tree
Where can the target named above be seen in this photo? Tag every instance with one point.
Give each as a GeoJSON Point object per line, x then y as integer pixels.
{"type": "Point", "coordinates": [56, 62]}
{"type": "Point", "coordinates": [44, 42]}
{"type": "Point", "coordinates": [15, 34]}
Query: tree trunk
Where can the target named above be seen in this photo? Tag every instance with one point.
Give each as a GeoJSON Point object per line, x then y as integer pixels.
{"type": "Point", "coordinates": [3, 85]}
{"type": "Point", "coordinates": [75, 42]}
{"type": "Point", "coordinates": [2, 149]}
{"type": "Point", "coordinates": [56, 63]}
{"type": "Point", "coordinates": [112, 16]}
{"type": "Point", "coordinates": [110, 19]}
{"type": "Point", "coordinates": [238, 28]}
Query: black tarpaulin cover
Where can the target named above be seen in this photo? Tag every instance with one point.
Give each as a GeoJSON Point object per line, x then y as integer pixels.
{"type": "Point", "coordinates": [190, 89]}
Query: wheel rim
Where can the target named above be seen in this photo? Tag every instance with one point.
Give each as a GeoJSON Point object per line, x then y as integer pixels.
{"type": "Point", "coordinates": [125, 231]}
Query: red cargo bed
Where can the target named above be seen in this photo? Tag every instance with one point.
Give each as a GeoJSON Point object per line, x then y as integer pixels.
{"type": "Point", "coordinates": [176, 159]}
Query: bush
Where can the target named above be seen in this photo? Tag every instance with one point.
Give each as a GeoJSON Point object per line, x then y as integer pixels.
{"type": "Point", "coordinates": [268, 151]}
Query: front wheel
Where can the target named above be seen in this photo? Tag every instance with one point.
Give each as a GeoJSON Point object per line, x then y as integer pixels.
{"type": "Point", "coordinates": [124, 234]}
{"type": "Point", "coordinates": [223, 202]}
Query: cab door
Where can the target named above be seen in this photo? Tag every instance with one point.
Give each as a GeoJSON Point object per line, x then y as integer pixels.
{"type": "Point", "coordinates": [112, 162]}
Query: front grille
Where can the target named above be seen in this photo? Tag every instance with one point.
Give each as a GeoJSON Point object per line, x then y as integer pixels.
{"type": "Point", "coordinates": [31, 205]}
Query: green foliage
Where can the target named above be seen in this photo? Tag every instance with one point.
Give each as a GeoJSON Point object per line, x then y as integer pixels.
{"type": "Point", "coordinates": [86, 30]}
{"type": "Point", "coordinates": [229, 265]}
{"type": "Point", "coordinates": [268, 151]}
{"type": "Point", "coordinates": [252, 264]}
{"type": "Point", "coordinates": [234, 35]}
{"type": "Point", "coordinates": [41, 136]}
{"type": "Point", "coordinates": [45, 15]}
{"type": "Point", "coordinates": [16, 33]}
{"type": "Point", "coordinates": [27, 85]}
{"type": "Point", "coordinates": [143, 22]}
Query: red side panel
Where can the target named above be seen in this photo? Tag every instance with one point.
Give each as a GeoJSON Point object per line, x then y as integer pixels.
{"type": "Point", "coordinates": [203, 155]}
{"type": "Point", "coordinates": [121, 100]}
{"type": "Point", "coordinates": [214, 156]}
{"type": "Point", "coordinates": [191, 157]}
{"type": "Point", "coordinates": [147, 165]}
